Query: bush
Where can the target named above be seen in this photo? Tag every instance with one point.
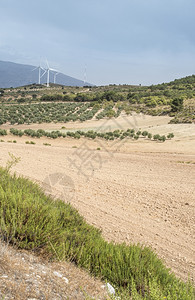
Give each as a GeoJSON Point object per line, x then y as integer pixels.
{"type": "Point", "coordinates": [156, 137]}
{"type": "Point", "coordinates": [30, 143]}
{"type": "Point", "coordinates": [177, 104]}
{"type": "Point", "coordinates": [170, 135]}
{"type": "Point", "coordinates": [144, 133]}
{"type": "Point", "coordinates": [3, 132]}
{"type": "Point", "coordinates": [16, 132]}
{"type": "Point", "coordinates": [31, 220]}
{"type": "Point", "coordinates": [162, 138]}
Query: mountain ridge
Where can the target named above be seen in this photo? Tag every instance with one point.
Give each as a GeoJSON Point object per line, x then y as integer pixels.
{"type": "Point", "coordinates": [14, 75]}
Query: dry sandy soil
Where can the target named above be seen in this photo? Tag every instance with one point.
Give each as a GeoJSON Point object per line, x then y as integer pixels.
{"type": "Point", "coordinates": [135, 191]}
{"type": "Point", "coordinates": [26, 276]}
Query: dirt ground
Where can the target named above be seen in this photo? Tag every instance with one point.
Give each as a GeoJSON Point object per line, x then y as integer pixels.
{"type": "Point", "coordinates": [26, 276]}
{"type": "Point", "coordinates": [135, 191]}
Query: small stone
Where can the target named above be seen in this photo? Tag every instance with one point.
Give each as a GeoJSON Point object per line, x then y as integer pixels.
{"type": "Point", "coordinates": [66, 280]}
{"type": "Point", "coordinates": [57, 274]}
{"type": "Point", "coordinates": [110, 288]}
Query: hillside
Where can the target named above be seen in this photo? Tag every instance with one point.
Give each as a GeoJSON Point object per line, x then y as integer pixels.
{"type": "Point", "coordinates": [118, 155]}
{"type": "Point", "coordinates": [14, 75]}
{"type": "Point", "coordinates": [176, 99]}
{"type": "Point", "coordinates": [55, 230]}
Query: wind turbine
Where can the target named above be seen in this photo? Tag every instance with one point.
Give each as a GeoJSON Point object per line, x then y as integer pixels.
{"type": "Point", "coordinates": [39, 75]}
{"type": "Point", "coordinates": [48, 71]}
{"type": "Point", "coordinates": [54, 77]}
{"type": "Point", "coordinates": [85, 75]}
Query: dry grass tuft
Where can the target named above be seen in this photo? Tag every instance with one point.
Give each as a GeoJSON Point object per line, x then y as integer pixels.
{"type": "Point", "coordinates": [25, 276]}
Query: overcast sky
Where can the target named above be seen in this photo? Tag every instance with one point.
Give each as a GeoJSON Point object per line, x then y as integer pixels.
{"type": "Point", "coordinates": [119, 41]}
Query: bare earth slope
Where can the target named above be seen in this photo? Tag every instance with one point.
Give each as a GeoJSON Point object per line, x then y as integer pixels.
{"type": "Point", "coordinates": [26, 276]}
{"type": "Point", "coordinates": [135, 191]}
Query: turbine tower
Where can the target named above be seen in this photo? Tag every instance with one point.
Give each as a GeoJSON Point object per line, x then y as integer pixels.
{"type": "Point", "coordinates": [54, 77]}
{"type": "Point", "coordinates": [48, 71]}
{"type": "Point", "coordinates": [85, 75]}
{"type": "Point", "coordinates": [39, 74]}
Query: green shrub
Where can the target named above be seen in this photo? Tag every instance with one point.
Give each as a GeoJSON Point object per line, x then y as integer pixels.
{"type": "Point", "coordinates": [139, 132]}
{"type": "Point", "coordinates": [177, 104]}
{"type": "Point", "coordinates": [30, 143]}
{"type": "Point", "coordinates": [156, 137]}
{"type": "Point", "coordinates": [144, 133]}
{"type": "Point", "coordinates": [162, 138]}
{"type": "Point", "coordinates": [16, 132]}
{"type": "Point", "coordinates": [3, 132]}
{"type": "Point", "coordinates": [170, 135]}
{"type": "Point", "coordinates": [31, 220]}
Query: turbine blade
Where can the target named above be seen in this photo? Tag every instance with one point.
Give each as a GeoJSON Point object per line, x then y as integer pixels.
{"type": "Point", "coordinates": [43, 73]}
{"type": "Point", "coordinates": [47, 63]}
{"type": "Point", "coordinates": [54, 70]}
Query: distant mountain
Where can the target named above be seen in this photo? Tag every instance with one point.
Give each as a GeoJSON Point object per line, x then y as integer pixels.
{"type": "Point", "coordinates": [14, 75]}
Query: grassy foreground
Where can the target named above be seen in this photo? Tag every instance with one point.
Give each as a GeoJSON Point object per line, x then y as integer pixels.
{"type": "Point", "coordinates": [31, 220]}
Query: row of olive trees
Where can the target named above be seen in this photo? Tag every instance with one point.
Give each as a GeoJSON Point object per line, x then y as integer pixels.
{"type": "Point", "coordinates": [111, 135]}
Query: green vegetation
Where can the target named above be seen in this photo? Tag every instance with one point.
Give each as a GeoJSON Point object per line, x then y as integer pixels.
{"type": "Point", "coordinates": [30, 143]}
{"type": "Point", "coordinates": [111, 135]}
{"type": "Point", "coordinates": [177, 104]}
{"type": "Point", "coordinates": [31, 220]}
{"type": "Point", "coordinates": [46, 113]}
{"type": "Point", "coordinates": [186, 162]}
{"type": "Point", "coordinates": [64, 104]}
{"type": "Point", "coordinates": [3, 132]}
{"type": "Point", "coordinates": [170, 135]}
